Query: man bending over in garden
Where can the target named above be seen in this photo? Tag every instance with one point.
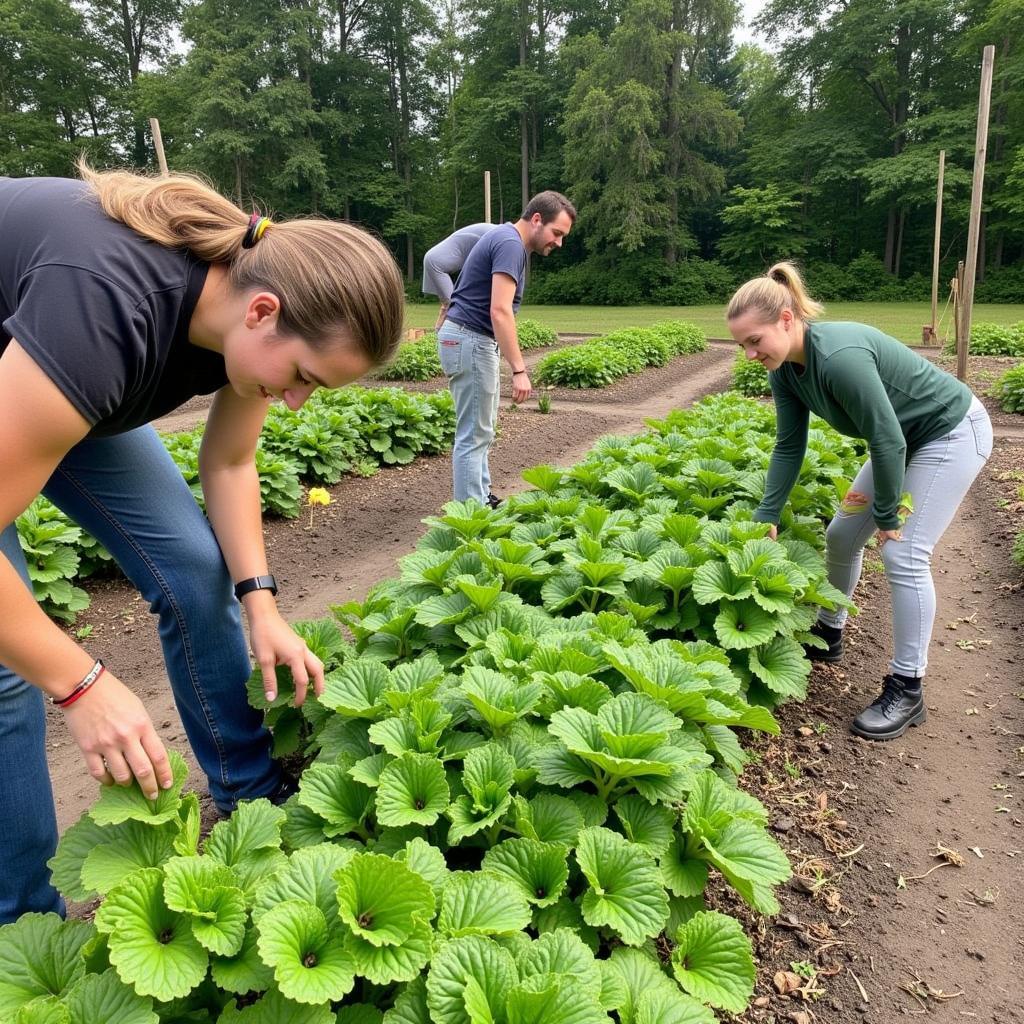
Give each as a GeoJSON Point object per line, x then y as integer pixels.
{"type": "Point", "coordinates": [480, 324]}
{"type": "Point", "coordinates": [446, 259]}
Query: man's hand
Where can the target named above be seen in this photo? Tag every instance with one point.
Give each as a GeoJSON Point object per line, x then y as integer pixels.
{"type": "Point", "coordinates": [521, 387]}
{"type": "Point", "coordinates": [117, 738]}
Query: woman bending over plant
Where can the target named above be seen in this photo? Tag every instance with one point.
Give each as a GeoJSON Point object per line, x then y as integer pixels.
{"type": "Point", "coordinates": [928, 438]}
{"type": "Point", "coordinates": [120, 298]}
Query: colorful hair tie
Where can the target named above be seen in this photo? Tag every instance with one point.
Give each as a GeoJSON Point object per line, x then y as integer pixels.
{"type": "Point", "coordinates": [258, 224]}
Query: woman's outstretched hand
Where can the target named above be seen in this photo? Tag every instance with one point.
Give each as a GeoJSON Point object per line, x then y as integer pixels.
{"type": "Point", "coordinates": [117, 738]}
{"type": "Point", "coordinates": [275, 643]}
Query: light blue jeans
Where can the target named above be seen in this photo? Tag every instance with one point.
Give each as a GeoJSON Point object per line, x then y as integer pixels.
{"type": "Point", "coordinates": [938, 477]}
{"type": "Point", "coordinates": [128, 493]}
{"type": "Point", "coordinates": [471, 363]}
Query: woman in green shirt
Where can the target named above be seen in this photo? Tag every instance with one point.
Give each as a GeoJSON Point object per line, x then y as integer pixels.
{"type": "Point", "coordinates": [927, 435]}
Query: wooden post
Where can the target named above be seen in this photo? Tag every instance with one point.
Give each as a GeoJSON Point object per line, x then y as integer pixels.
{"type": "Point", "coordinates": [955, 287]}
{"type": "Point", "coordinates": [932, 337]}
{"type": "Point", "coordinates": [487, 197]}
{"type": "Point", "coordinates": [158, 145]}
{"type": "Point", "coordinates": [971, 263]}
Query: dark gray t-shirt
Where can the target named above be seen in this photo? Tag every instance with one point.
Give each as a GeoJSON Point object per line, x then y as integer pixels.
{"type": "Point", "coordinates": [500, 251]}
{"type": "Point", "coordinates": [102, 311]}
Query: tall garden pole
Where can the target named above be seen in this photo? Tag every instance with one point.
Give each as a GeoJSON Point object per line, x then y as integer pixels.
{"type": "Point", "coordinates": [932, 337]}
{"type": "Point", "coordinates": [158, 145]}
{"type": "Point", "coordinates": [973, 230]}
{"type": "Point", "coordinates": [487, 197]}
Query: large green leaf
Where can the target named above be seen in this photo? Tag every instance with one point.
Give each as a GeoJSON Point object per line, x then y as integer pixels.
{"type": "Point", "coordinates": [629, 974]}
{"type": "Point", "coordinates": [781, 666]}
{"type": "Point", "coordinates": [308, 876]}
{"type": "Point", "coordinates": [275, 1008]}
{"type": "Point", "coordinates": [204, 889]}
{"type": "Point", "coordinates": [105, 999]}
{"type": "Point", "coordinates": [554, 999]}
{"type": "Point", "coordinates": [384, 965]}
{"type": "Point", "coordinates": [548, 818]}
{"type": "Point", "coordinates": [561, 951]}
{"type": "Point", "coordinates": [40, 955]}
{"type": "Point", "coordinates": [309, 961]}
{"type": "Point", "coordinates": [249, 842]}
{"type": "Point", "coordinates": [413, 790]}
{"type": "Point", "coordinates": [471, 957]}
{"type": "Point", "coordinates": [626, 892]}
{"type": "Point", "coordinates": [474, 903]}
{"type": "Point", "coordinates": [646, 825]}
{"type": "Point", "coordinates": [540, 870]}
{"type": "Point", "coordinates": [74, 846]}
{"type": "Point", "coordinates": [742, 624]}
{"type": "Point", "coordinates": [329, 791]}
{"type": "Point", "coordinates": [128, 803]}
{"type": "Point", "coordinates": [245, 971]}
{"type": "Point", "coordinates": [713, 961]}
{"type": "Point", "coordinates": [151, 947]}
{"type": "Point", "coordinates": [357, 689]}
{"type": "Point", "coordinates": [381, 900]}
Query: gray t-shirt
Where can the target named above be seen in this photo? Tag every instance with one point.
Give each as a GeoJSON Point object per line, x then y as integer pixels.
{"type": "Point", "coordinates": [444, 261]}
{"type": "Point", "coordinates": [500, 251]}
{"type": "Point", "coordinates": [101, 310]}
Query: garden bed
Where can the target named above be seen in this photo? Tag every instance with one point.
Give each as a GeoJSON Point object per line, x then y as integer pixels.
{"type": "Point", "coordinates": [854, 817]}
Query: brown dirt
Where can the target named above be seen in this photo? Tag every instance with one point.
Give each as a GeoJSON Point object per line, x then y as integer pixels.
{"type": "Point", "coordinates": [855, 817]}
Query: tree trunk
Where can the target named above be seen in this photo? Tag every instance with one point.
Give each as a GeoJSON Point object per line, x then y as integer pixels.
{"type": "Point", "coordinates": [899, 241]}
{"type": "Point", "coordinates": [980, 272]}
{"type": "Point", "coordinates": [670, 123]}
{"type": "Point", "coordinates": [890, 239]}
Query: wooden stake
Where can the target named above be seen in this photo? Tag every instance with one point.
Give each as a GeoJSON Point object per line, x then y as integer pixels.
{"type": "Point", "coordinates": [487, 197]}
{"type": "Point", "coordinates": [971, 263]}
{"type": "Point", "coordinates": [158, 145]}
{"type": "Point", "coordinates": [933, 339]}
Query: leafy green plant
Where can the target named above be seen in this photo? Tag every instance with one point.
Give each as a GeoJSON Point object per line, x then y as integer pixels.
{"type": "Point", "coordinates": [415, 360]}
{"type": "Point", "coordinates": [1008, 390]}
{"type": "Point", "coordinates": [749, 377]}
{"type": "Point", "coordinates": [989, 339]}
{"type": "Point", "coordinates": [532, 334]}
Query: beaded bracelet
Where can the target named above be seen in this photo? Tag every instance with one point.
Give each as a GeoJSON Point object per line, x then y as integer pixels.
{"type": "Point", "coordinates": [91, 676]}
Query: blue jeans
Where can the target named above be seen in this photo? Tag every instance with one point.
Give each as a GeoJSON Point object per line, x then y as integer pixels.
{"type": "Point", "coordinates": [471, 363]}
{"type": "Point", "coordinates": [128, 493]}
{"type": "Point", "coordinates": [938, 476]}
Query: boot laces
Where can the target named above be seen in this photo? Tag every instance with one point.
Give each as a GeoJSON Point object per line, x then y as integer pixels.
{"type": "Point", "coordinates": [891, 693]}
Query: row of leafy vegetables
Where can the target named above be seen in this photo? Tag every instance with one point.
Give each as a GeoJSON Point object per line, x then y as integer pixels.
{"type": "Point", "coordinates": [521, 780]}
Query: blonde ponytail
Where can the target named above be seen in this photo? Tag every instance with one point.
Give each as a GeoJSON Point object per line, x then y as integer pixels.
{"type": "Point", "coordinates": [781, 288]}
{"type": "Point", "coordinates": [327, 274]}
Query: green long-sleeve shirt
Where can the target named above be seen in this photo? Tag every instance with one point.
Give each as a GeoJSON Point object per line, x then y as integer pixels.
{"type": "Point", "coordinates": [867, 385]}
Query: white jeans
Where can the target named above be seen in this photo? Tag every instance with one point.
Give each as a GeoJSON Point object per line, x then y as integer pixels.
{"type": "Point", "coordinates": [938, 476]}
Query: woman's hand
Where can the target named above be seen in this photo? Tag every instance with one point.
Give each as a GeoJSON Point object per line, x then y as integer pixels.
{"type": "Point", "coordinates": [275, 643]}
{"type": "Point", "coordinates": [117, 738]}
{"type": "Point", "coordinates": [884, 535]}
{"type": "Point", "coordinates": [773, 532]}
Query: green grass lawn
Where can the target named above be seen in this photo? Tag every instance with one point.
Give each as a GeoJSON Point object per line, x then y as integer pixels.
{"type": "Point", "coordinates": [902, 320]}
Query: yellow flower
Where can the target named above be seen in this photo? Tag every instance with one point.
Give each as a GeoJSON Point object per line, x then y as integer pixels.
{"type": "Point", "coordinates": [318, 496]}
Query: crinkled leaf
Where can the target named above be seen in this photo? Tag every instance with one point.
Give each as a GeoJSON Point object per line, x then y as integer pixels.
{"type": "Point", "coordinates": [310, 963]}
{"type": "Point", "coordinates": [329, 791]}
{"type": "Point", "coordinates": [713, 961]}
{"type": "Point", "coordinates": [647, 826]}
{"type": "Point", "coordinates": [249, 841]}
{"type": "Point", "coordinates": [204, 889]}
{"type": "Point", "coordinates": [413, 790]}
{"type": "Point", "coordinates": [481, 904]}
{"type": "Point", "coordinates": [626, 892]}
{"type": "Point", "coordinates": [243, 972]}
{"type": "Point", "coordinates": [781, 666]}
{"type": "Point", "coordinates": [105, 999]}
{"type": "Point", "coordinates": [742, 624]}
{"type": "Point", "coordinates": [357, 689]}
{"type": "Point", "coordinates": [661, 1007]}
{"type": "Point", "coordinates": [381, 899]}
{"type": "Point", "coordinates": [128, 803]}
{"type": "Point", "coordinates": [554, 999]}
{"type": "Point", "coordinates": [384, 965]}
{"type": "Point", "coordinates": [561, 952]}
{"type": "Point", "coordinates": [411, 1005]}
{"type": "Point", "coordinates": [630, 973]}
{"type": "Point", "coordinates": [151, 947]}
{"type": "Point", "coordinates": [40, 955]}
{"type": "Point", "coordinates": [427, 861]}
{"type": "Point", "coordinates": [308, 876]}
{"type": "Point", "coordinates": [72, 849]}
{"type": "Point", "coordinates": [540, 870]}
{"type": "Point", "coordinates": [549, 818]}
{"type": "Point", "coordinates": [471, 956]}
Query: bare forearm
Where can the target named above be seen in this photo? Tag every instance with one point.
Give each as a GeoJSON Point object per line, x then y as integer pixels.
{"type": "Point", "coordinates": [233, 508]}
{"type": "Point", "coordinates": [504, 323]}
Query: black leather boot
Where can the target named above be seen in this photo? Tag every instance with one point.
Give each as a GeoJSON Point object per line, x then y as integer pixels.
{"type": "Point", "coordinates": [493, 500]}
{"type": "Point", "coordinates": [895, 710]}
{"type": "Point", "coordinates": [834, 639]}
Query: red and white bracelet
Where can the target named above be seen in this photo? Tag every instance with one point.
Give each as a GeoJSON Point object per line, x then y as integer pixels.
{"type": "Point", "coordinates": [90, 678]}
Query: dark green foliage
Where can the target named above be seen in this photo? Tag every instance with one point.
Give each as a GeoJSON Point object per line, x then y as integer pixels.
{"type": "Point", "coordinates": [532, 334]}
{"type": "Point", "coordinates": [994, 340]}
{"type": "Point", "coordinates": [749, 377]}
{"type": "Point", "coordinates": [1008, 390]}
{"type": "Point", "coordinates": [416, 360]}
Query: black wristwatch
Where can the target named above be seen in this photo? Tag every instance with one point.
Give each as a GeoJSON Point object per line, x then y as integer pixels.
{"type": "Point", "coordinates": [255, 583]}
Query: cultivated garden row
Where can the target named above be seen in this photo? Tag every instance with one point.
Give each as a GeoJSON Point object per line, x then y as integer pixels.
{"type": "Point", "coordinates": [519, 783]}
{"type": "Point", "coordinates": [352, 430]}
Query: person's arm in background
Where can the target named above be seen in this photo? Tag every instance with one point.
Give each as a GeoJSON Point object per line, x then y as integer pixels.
{"type": "Point", "coordinates": [231, 486]}
{"type": "Point", "coordinates": [503, 320]}
{"type": "Point", "coordinates": [437, 282]}
{"type": "Point", "coordinates": [791, 420]}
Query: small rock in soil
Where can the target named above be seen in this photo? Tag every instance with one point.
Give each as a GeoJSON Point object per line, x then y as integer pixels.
{"type": "Point", "coordinates": [782, 825]}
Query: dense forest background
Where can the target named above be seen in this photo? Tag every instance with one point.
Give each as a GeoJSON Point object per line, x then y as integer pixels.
{"type": "Point", "coordinates": [693, 160]}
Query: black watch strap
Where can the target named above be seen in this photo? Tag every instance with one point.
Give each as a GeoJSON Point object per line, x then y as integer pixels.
{"type": "Point", "coordinates": [244, 587]}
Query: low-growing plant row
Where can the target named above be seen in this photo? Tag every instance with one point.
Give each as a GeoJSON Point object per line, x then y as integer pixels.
{"type": "Point", "coordinates": [989, 339]}
{"type": "Point", "coordinates": [351, 430]}
{"type": "Point", "coordinates": [418, 360]}
{"type": "Point", "coordinates": [521, 775]}
{"type": "Point", "coordinates": [749, 377]}
{"type": "Point", "coordinates": [1008, 390]}
{"type": "Point", "coordinates": [600, 361]}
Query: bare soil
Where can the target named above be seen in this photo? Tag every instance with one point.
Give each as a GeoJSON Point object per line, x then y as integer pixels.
{"type": "Point", "coordinates": [907, 897]}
